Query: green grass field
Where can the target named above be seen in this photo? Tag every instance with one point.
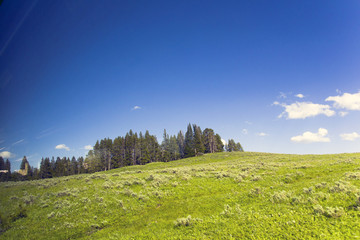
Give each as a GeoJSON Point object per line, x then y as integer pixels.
{"type": "Point", "coordinates": [215, 196]}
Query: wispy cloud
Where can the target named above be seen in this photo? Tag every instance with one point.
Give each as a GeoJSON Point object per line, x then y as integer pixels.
{"type": "Point", "coordinates": [6, 154]}
{"type": "Point", "coordinates": [2, 148]}
{"type": "Point", "coordinates": [309, 137]}
{"type": "Point", "coordinates": [20, 141]}
{"type": "Point", "coordinates": [302, 110]}
{"type": "Point", "coordinates": [62, 146]}
{"type": "Point", "coordinates": [47, 132]}
{"type": "Point", "coordinates": [350, 136]}
{"type": "Point", "coordinates": [248, 122]}
{"type": "Point", "coordinates": [262, 134]}
{"type": "Point", "coordinates": [136, 108]}
{"type": "Point", "coordinates": [244, 131]}
{"type": "Point", "coordinates": [17, 28]}
{"type": "Point", "coordinates": [346, 101]}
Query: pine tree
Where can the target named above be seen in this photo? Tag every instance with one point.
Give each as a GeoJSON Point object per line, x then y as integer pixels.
{"type": "Point", "coordinates": [8, 165]}
{"type": "Point", "coordinates": [189, 143]}
{"type": "Point", "coordinates": [219, 143]}
{"type": "Point", "coordinates": [181, 143]}
{"type": "Point", "coordinates": [209, 140]}
{"type": "Point", "coordinates": [23, 164]}
{"type": "Point", "coordinates": [2, 163]}
{"type": "Point", "coordinates": [199, 147]}
{"type": "Point", "coordinates": [165, 151]}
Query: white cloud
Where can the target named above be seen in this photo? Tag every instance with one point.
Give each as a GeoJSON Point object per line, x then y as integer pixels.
{"type": "Point", "coordinates": [6, 154]}
{"type": "Point", "coordinates": [88, 147]}
{"type": "Point", "coordinates": [299, 95]}
{"type": "Point", "coordinates": [343, 114]}
{"type": "Point", "coordinates": [262, 134]}
{"type": "Point", "coordinates": [302, 110]}
{"type": "Point", "coordinates": [2, 148]}
{"type": "Point", "coordinates": [347, 100]}
{"type": "Point", "coordinates": [349, 136]}
{"type": "Point", "coordinates": [244, 131]}
{"type": "Point", "coordinates": [248, 122]}
{"type": "Point", "coordinates": [309, 137]}
{"type": "Point", "coordinates": [62, 146]}
{"type": "Point", "coordinates": [223, 141]}
{"type": "Point", "coordinates": [276, 103]}
{"type": "Point", "coordinates": [136, 108]}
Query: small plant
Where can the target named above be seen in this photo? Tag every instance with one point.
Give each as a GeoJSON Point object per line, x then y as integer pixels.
{"type": "Point", "coordinates": [188, 221]}
{"type": "Point", "coordinates": [309, 190]}
{"type": "Point", "coordinates": [279, 197]}
{"type": "Point", "coordinates": [255, 192]}
{"type": "Point", "coordinates": [51, 215]}
{"type": "Point", "coordinates": [256, 178]}
{"type": "Point", "coordinates": [335, 212]}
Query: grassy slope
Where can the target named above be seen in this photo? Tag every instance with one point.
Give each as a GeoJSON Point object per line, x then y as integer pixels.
{"type": "Point", "coordinates": [228, 195]}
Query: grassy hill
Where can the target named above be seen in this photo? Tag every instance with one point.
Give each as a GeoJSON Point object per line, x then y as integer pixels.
{"type": "Point", "coordinates": [222, 195]}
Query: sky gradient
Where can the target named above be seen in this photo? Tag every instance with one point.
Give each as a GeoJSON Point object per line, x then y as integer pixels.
{"type": "Point", "coordinates": [279, 77]}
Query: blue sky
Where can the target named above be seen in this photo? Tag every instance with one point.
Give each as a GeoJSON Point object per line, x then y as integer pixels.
{"type": "Point", "coordinates": [278, 76]}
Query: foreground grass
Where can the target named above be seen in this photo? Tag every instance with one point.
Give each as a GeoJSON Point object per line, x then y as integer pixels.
{"type": "Point", "coordinates": [223, 195]}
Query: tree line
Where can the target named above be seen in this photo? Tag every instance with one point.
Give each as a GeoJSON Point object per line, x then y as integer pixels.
{"type": "Point", "coordinates": [131, 149]}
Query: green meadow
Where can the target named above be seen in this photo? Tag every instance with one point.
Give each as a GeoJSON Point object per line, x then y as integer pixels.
{"type": "Point", "coordinates": [236, 195]}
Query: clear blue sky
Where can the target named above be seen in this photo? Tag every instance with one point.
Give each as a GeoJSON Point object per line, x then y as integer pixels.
{"type": "Point", "coordinates": [72, 72]}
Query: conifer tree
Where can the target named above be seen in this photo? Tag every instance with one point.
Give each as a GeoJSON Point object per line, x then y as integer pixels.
{"type": "Point", "coordinates": [189, 142]}
{"type": "Point", "coordinates": [219, 143]}
{"type": "Point", "coordinates": [198, 142]}
{"type": "Point", "coordinates": [2, 163]}
{"type": "Point", "coordinates": [8, 165]}
{"type": "Point", "coordinates": [23, 164]}
{"type": "Point", "coordinates": [181, 143]}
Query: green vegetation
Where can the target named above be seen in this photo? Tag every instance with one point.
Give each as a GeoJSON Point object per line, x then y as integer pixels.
{"type": "Point", "coordinates": [229, 195]}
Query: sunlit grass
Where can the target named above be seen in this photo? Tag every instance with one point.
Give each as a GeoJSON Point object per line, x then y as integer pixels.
{"type": "Point", "coordinates": [222, 195]}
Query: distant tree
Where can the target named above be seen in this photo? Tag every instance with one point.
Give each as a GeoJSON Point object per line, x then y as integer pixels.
{"type": "Point", "coordinates": [189, 142]}
{"type": "Point", "coordinates": [219, 143]}
{"type": "Point", "coordinates": [80, 165]}
{"type": "Point", "coordinates": [8, 165]}
{"type": "Point", "coordinates": [23, 164]}
{"type": "Point", "coordinates": [232, 146]}
{"type": "Point", "coordinates": [181, 143]}
{"type": "Point", "coordinates": [165, 147]}
{"type": "Point", "coordinates": [198, 142]}
{"type": "Point", "coordinates": [2, 163]}
{"type": "Point", "coordinates": [73, 166]}
{"type": "Point", "coordinates": [45, 168]}
{"type": "Point", "coordinates": [209, 140]}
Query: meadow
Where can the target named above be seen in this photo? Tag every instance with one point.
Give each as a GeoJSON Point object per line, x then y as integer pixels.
{"type": "Point", "coordinates": [236, 195]}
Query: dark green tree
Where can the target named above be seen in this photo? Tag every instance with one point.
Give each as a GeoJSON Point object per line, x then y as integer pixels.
{"type": "Point", "coordinates": [219, 143]}
{"type": "Point", "coordinates": [181, 143]}
{"type": "Point", "coordinates": [2, 163]}
{"type": "Point", "coordinates": [189, 143]}
{"type": "Point", "coordinates": [23, 164]}
{"type": "Point", "coordinates": [199, 147]}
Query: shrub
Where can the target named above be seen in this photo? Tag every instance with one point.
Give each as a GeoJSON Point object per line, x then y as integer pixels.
{"type": "Point", "coordinates": [335, 212]}
{"type": "Point", "coordinates": [342, 186]}
{"type": "Point", "coordinates": [331, 212]}
{"type": "Point", "coordinates": [19, 213]}
{"type": "Point", "coordinates": [188, 221]}
{"type": "Point", "coordinates": [279, 197]}
{"type": "Point", "coordinates": [309, 190]}
{"type": "Point", "coordinates": [51, 215]}
{"type": "Point", "coordinates": [256, 178]}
